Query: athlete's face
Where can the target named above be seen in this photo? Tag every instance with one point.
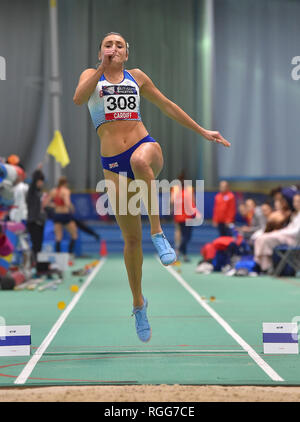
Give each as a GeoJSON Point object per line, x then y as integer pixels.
{"type": "Point", "coordinates": [116, 45]}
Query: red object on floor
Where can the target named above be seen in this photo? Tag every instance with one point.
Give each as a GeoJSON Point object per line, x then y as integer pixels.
{"type": "Point", "coordinates": [19, 277]}
{"type": "Point", "coordinates": [103, 248]}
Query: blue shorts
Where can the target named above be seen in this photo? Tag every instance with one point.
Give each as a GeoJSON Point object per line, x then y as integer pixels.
{"type": "Point", "coordinates": [62, 218]}
{"type": "Point", "coordinates": [120, 163]}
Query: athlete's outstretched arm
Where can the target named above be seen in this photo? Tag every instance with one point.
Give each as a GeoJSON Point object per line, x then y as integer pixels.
{"type": "Point", "coordinates": [172, 110]}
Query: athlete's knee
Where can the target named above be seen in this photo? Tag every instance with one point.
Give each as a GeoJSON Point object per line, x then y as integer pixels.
{"type": "Point", "coordinates": [132, 241]}
{"type": "Point", "coordinates": [139, 164]}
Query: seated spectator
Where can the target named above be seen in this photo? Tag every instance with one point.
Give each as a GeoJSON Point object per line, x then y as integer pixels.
{"type": "Point", "coordinates": [289, 235]}
{"type": "Point", "coordinates": [285, 193]}
{"type": "Point", "coordinates": [276, 193]}
{"type": "Point", "coordinates": [256, 219]}
{"type": "Point", "coordinates": [288, 194]}
{"type": "Point", "coordinates": [242, 211]}
{"type": "Point", "coordinates": [280, 217]}
{"type": "Point", "coordinates": [266, 210]}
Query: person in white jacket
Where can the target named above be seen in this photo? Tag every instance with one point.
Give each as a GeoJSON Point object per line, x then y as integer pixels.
{"type": "Point", "coordinates": [289, 235]}
{"type": "Point", "coordinates": [19, 211]}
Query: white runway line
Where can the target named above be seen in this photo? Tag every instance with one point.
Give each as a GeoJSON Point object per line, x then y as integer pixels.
{"type": "Point", "coordinates": [22, 378]}
{"type": "Point", "coordinates": [251, 352]}
{"type": "Point", "coordinates": [135, 352]}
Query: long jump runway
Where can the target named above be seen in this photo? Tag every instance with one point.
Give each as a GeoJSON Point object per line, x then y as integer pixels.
{"type": "Point", "coordinates": [195, 340]}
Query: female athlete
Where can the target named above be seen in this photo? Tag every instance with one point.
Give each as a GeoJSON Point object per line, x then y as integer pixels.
{"type": "Point", "coordinates": [113, 97]}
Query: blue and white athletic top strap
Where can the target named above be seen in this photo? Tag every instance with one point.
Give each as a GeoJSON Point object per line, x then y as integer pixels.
{"type": "Point", "coordinates": [110, 102]}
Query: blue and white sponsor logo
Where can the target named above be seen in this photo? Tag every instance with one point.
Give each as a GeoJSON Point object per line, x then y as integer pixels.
{"type": "Point", "coordinates": [15, 340]}
{"type": "Point", "coordinates": [280, 337]}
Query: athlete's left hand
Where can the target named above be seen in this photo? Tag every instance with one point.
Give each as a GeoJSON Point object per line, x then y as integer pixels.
{"type": "Point", "coordinates": [215, 136]}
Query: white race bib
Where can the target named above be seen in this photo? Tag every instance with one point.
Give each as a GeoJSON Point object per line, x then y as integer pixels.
{"type": "Point", "coordinates": [120, 102]}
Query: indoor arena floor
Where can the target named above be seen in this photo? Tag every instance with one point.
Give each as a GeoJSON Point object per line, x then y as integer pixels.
{"type": "Point", "coordinates": [206, 329]}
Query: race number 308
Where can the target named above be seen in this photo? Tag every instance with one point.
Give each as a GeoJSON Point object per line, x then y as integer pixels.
{"type": "Point", "coordinates": [121, 103]}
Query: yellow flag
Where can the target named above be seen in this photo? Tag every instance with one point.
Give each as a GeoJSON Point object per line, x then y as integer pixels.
{"type": "Point", "coordinates": [58, 150]}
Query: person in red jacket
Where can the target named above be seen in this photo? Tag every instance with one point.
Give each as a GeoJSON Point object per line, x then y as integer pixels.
{"type": "Point", "coordinates": [224, 209]}
{"type": "Point", "coordinates": [184, 206]}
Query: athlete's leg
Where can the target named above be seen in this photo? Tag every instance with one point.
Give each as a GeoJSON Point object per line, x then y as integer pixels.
{"type": "Point", "coordinates": [186, 232]}
{"type": "Point", "coordinates": [177, 237]}
{"type": "Point", "coordinates": [72, 229]}
{"type": "Point", "coordinates": [146, 163]}
{"type": "Point", "coordinates": [131, 228]}
{"type": "Point", "coordinates": [58, 231]}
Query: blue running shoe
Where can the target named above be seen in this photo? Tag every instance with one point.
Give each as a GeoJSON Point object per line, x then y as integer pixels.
{"type": "Point", "coordinates": [142, 326]}
{"type": "Point", "coordinates": [166, 253]}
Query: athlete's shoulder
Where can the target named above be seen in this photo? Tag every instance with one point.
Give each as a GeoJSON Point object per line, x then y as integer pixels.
{"type": "Point", "coordinates": [87, 73]}
{"type": "Point", "coordinates": [138, 75]}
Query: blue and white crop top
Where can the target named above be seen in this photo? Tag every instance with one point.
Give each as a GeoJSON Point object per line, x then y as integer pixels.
{"type": "Point", "coordinates": [111, 102]}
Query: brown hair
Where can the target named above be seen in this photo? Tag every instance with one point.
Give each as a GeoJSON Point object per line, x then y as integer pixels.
{"type": "Point", "coordinates": [62, 181]}
{"type": "Point", "coordinates": [115, 33]}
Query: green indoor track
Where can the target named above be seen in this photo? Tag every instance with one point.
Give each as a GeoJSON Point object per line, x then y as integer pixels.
{"type": "Point", "coordinates": [194, 341]}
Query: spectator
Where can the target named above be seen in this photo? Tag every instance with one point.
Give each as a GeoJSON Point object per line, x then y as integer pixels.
{"type": "Point", "coordinates": [60, 197]}
{"type": "Point", "coordinates": [288, 194]}
{"type": "Point", "coordinates": [224, 209]}
{"type": "Point", "coordinates": [285, 193]}
{"type": "Point", "coordinates": [36, 216]}
{"type": "Point", "coordinates": [50, 211]}
{"type": "Point", "coordinates": [19, 211]}
{"type": "Point", "coordinates": [256, 219]}
{"type": "Point", "coordinates": [280, 217]}
{"type": "Point", "coordinates": [184, 204]}
{"type": "Point", "coordinates": [266, 210]}
{"type": "Point", "coordinates": [13, 160]}
{"type": "Point", "coordinates": [242, 209]}
{"type": "Point", "coordinates": [289, 235]}
{"type": "Point", "coordinates": [276, 193]}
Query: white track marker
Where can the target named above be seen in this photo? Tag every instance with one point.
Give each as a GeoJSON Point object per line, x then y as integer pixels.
{"type": "Point", "coordinates": [22, 378]}
{"type": "Point", "coordinates": [143, 352]}
{"type": "Point", "coordinates": [251, 352]}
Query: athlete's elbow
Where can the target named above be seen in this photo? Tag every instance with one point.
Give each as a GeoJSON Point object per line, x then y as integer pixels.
{"type": "Point", "coordinates": [77, 100]}
{"type": "Point", "coordinates": [79, 97]}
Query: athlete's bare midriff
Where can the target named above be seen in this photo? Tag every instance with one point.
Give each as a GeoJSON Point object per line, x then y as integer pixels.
{"type": "Point", "coordinates": [116, 137]}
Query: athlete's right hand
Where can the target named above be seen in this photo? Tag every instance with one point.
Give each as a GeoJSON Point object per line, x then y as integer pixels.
{"type": "Point", "coordinates": [215, 136]}
{"type": "Point", "coordinates": [108, 54]}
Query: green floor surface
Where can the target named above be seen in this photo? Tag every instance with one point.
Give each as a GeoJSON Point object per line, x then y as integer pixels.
{"type": "Point", "coordinates": [102, 321]}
